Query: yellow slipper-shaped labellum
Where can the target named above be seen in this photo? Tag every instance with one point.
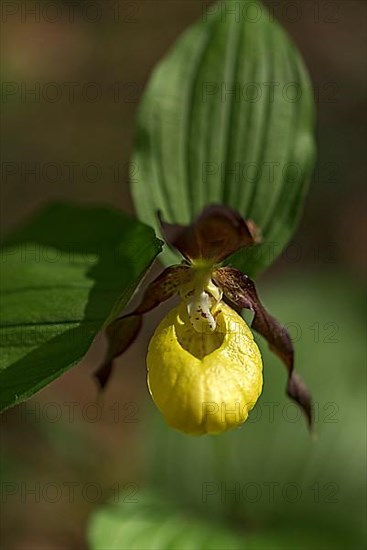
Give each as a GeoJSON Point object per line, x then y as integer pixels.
{"type": "Point", "coordinates": [204, 382]}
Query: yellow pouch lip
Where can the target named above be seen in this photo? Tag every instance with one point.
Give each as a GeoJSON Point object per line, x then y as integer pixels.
{"type": "Point", "coordinates": [178, 316]}
{"type": "Point", "coordinates": [178, 381]}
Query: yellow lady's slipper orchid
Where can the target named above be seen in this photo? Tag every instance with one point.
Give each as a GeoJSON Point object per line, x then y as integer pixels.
{"type": "Point", "coordinates": [204, 382]}
{"type": "Point", "coordinates": [204, 368]}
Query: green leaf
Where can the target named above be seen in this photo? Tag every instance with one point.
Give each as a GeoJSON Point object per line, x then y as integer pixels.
{"type": "Point", "coordinates": [198, 143]}
{"type": "Point", "coordinates": [65, 275]}
{"type": "Point", "coordinates": [152, 524]}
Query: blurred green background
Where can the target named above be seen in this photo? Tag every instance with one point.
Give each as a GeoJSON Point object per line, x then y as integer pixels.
{"type": "Point", "coordinates": [266, 485]}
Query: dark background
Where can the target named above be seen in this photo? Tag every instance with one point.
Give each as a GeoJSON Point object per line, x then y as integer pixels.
{"type": "Point", "coordinates": [65, 142]}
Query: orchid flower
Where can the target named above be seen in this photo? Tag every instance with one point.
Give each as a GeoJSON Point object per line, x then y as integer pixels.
{"type": "Point", "coordinates": [204, 367]}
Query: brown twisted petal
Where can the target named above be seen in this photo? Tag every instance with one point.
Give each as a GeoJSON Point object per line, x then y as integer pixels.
{"type": "Point", "coordinates": [215, 234]}
{"type": "Point", "coordinates": [122, 332]}
{"type": "Point", "coordinates": [241, 291]}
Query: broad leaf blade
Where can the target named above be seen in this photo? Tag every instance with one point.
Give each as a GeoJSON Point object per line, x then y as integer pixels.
{"type": "Point", "coordinates": [65, 275]}
{"type": "Point", "coordinates": [146, 521]}
{"type": "Point", "coordinates": [151, 523]}
{"type": "Point", "coordinates": [227, 118]}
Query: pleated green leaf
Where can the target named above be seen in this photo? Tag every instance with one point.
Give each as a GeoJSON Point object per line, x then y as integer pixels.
{"type": "Point", "coordinates": [227, 118]}
{"type": "Point", "coordinates": [65, 274]}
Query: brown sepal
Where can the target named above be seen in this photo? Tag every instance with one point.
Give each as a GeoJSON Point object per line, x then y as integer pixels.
{"type": "Point", "coordinates": [241, 291]}
{"type": "Point", "coordinates": [214, 235]}
{"type": "Point", "coordinates": [122, 332]}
